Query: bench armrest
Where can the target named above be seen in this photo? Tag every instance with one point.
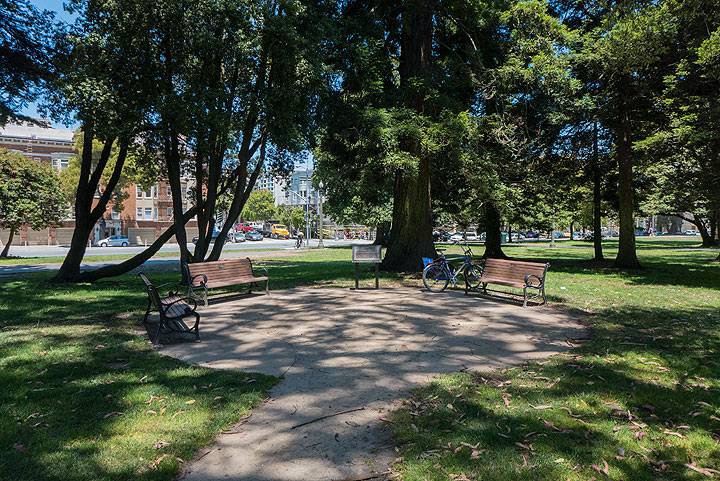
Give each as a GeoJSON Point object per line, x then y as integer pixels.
{"type": "Point", "coordinates": [261, 269]}
{"type": "Point", "coordinates": [530, 277]}
{"type": "Point", "coordinates": [202, 282]}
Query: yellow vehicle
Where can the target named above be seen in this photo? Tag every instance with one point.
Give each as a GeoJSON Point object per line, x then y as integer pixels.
{"type": "Point", "coordinates": [279, 231]}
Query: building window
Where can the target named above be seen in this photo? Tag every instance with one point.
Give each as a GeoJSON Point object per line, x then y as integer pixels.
{"type": "Point", "coordinates": [148, 213]}
{"type": "Point", "coordinates": [139, 213]}
{"type": "Point", "coordinates": [115, 215]}
{"type": "Point", "coordinates": [169, 212]}
{"type": "Point", "coordinates": [138, 191]}
{"type": "Point", "coordinates": [169, 191]}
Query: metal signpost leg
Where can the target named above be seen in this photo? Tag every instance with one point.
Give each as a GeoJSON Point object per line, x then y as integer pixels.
{"type": "Point", "coordinates": [377, 276]}
{"type": "Point", "coordinates": [357, 275]}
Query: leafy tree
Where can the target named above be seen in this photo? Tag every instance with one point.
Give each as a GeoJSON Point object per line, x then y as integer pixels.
{"type": "Point", "coordinates": [24, 43]}
{"type": "Point", "coordinates": [260, 206]}
{"type": "Point", "coordinates": [684, 150]}
{"type": "Point", "coordinates": [29, 194]}
{"type": "Point", "coordinates": [293, 217]}
{"type": "Point", "coordinates": [92, 83]}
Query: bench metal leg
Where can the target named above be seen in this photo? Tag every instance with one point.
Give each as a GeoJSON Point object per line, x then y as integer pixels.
{"type": "Point", "coordinates": [525, 297]}
{"type": "Point", "coordinates": [377, 276]}
{"type": "Point", "coordinates": [357, 275]}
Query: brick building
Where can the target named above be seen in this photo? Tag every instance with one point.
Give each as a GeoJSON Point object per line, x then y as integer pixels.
{"type": "Point", "coordinates": [145, 213]}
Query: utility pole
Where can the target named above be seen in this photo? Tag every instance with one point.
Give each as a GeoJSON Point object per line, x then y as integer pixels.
{"type": "Point", "coordinates": [320, 216]}
{"type": "Point", "coordinates": [307, 211]}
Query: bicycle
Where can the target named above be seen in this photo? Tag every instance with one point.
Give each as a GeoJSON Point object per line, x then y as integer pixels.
{"type": "Point", "coordinates": [298, 242]}
{"type": "Point", "coordinates": [439, 273]}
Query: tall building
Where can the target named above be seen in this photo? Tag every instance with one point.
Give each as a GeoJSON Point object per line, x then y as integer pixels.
{"type": "Point", "coordinates": [144, 213]}
{"type": "Point", "coordinates": [53, 146]}
{"type": "Point", "coordinates": [293, 190]}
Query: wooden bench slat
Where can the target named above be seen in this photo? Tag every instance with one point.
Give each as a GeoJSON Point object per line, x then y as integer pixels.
{"type": "Point", "coordinates": [513, 274]}
{"type": "Point", "coordinates": [223, 273]}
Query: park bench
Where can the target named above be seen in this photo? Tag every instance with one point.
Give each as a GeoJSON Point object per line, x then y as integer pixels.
{"type": "Point", "coordinates": [520, 274]}
{"type": "Point", "coordinates": [172, 311]}
{"type": "Point", "coordinates": [223, 273]}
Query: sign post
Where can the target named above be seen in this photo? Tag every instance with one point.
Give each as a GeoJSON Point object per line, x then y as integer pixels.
{"type": "Point", "coordinates": [367, 254]}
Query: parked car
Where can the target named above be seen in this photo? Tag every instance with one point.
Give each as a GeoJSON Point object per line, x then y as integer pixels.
{"type": "Point", "coordinates": [459, 236]}
{"type": "Point", "coordinates": [532, 235]}
{"type": "Point", "coordinates": [213, 237]}
{"type": "Point", "coordinates": [244, 227]}
{"type": "Point", "coordinates": [691, 232]}
{"type": "Point", "coordinates": [254, 235]}
{"type": "Point", "coordinates": [114, 241]}
{"type": "Point", "coordinates": [441, 236]}
{"type": "Point", "coordinates": [279, 231]}
{"type": "Point", "coordinates": [237, 236]}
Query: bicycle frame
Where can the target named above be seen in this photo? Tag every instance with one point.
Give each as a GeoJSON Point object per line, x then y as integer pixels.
{"type": "Point", "coordinates": [448, 269]}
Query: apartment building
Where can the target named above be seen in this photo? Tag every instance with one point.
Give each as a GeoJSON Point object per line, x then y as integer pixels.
{"type": "Point", "coordinates": [292, 190]}
{"type": "Point", "coordinates": [143, 215]}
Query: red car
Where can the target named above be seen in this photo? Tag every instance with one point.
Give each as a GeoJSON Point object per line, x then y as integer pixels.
{"type": "Point", "coordinates": [244, 228]}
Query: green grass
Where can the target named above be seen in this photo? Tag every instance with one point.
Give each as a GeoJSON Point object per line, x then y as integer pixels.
{"type": "Point", "coordinates": [72, 357]}
{"type": "Point", "coordinates": [642, 394]}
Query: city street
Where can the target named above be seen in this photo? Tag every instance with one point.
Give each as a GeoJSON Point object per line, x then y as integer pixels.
{"type": "Point", "coordinates": [256, 248]}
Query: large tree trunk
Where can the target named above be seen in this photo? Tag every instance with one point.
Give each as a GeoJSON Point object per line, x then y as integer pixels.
{"type": "Point", "coordinates": [493, 233]}
{"type": "Point", "coordinates": [173, 161]}
{"type": "Point", "coordinates": [597, 198]}
{"type": "Point", "coordinates": [411, 234]}
{"type": "Point", "coordinates": [86, 216]}
{"type": "Point", "coordinates": [138, 259]}
{"type": "Point", "coordinates": [6, 249]}
{"type": "Point", "coordinates": [627, 255]}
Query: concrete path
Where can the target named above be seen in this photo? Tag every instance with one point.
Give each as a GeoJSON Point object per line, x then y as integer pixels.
{"type": "Point", "coordinates": [359, 351]}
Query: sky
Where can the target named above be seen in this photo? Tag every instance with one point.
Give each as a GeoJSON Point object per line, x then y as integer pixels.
{"type": "Point", "coordinates": [62, 16]}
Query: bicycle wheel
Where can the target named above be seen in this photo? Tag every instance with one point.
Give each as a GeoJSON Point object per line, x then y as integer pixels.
{"type": "Point", "coordinates": [473, 272]}
{"type": "Point", "coordinates": [435, 278]}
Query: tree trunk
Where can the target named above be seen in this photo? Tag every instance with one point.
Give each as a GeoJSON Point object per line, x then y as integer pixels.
{"type": "Point", "coordinates": [597, 198]}
{"type": "Point", "coordinates": [172, 161]}
{"type": "Point", "coordinates": [411, 234]}
{"type": "Point", "coordinates": [6, 249]}
{"type": "Point", "coordinates": [138, 259]}
{"type": "Point", "coordinates": [627, 255]}
{"type": "Point", "coordinates": [509, 233]}
{"type": "Point", "coordinates": [572, 230]}
{"type": "Point", "coordinates": [493, 233]}
{"type": "Point", "coordinates": [380, 234]}
{"type": "Point", "coordinates": [86, 216]}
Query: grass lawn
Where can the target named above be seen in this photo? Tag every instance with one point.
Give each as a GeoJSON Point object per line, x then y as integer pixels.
{"type": "Point", "coordinates": [639, 400]}
{"type": "Point", "coordinates": [84, 397]}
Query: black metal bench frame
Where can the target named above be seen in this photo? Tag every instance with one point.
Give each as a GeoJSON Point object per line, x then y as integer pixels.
{"type": "Point", "coordinates": [172, 310]}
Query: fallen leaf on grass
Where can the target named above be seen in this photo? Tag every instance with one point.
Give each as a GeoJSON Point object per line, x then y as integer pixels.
{"type": "Point", "coordinates": [191, 401]}
{"type": "Point", "coordinates": [112, 414]}
{"type": "Point", "coordinates": [541, 406]}
{"type": "Point", "coordinates": [506, 399]}
{"type": "Point", "coordinates": [161, 444]}
{"type": "Point", "coordinates": [673, 433]}
{"type": "Point", "coordinates": [605, 469]}
{"type": "Point", "coordinates": [704, 471]}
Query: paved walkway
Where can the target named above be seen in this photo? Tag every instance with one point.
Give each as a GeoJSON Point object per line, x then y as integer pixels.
{"type": "Point", "coordinates": [341, 350]}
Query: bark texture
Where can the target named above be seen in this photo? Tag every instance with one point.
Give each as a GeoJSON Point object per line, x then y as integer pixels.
{"type": "Point", "coordinates": [411, 233]}
{"type": "Point", "coordinates": [493, 233]}
{"type": "Point", "coordinates": [626, 256]}
{"type": "Point", "coordinates": [6, 249]}
{"type": "Point", "coordinates": [597, 199]}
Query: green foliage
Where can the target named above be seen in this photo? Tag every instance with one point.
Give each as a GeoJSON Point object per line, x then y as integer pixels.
{"type": "Point", "coordinates": [293, 217]}
{"type": "Point", "coordinates": [259, 206]}
{"type": "Point", "coordinates": [25, 34]}
{"type": "Point", "coordinates": [29, 193]}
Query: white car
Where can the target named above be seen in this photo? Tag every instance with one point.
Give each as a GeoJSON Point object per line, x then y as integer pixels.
{"type": "Point", "coordinates": [459, 236]}
{"type": "Point", "coordinates": [114, 241]}
{"type": "Point", "coordinates": [691, 232]}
